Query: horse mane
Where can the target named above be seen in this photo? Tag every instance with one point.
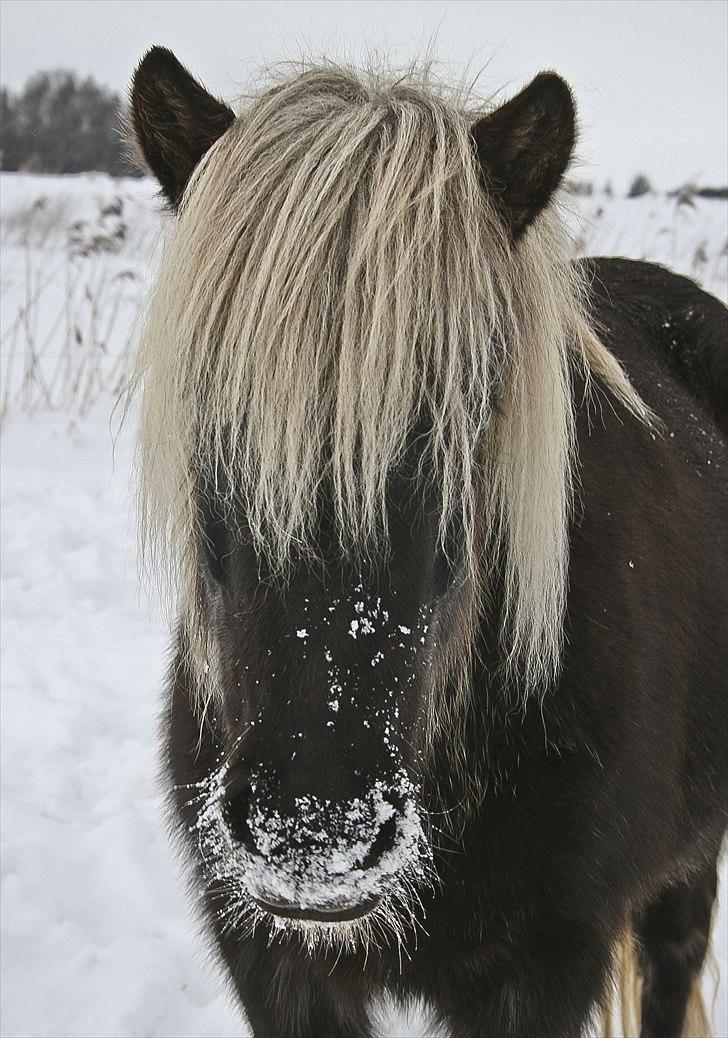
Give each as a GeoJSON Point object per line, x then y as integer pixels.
{"type": "Point", "coordinates": [336, 270]}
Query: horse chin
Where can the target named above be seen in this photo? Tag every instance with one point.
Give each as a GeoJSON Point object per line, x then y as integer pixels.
{"type": "Point", "coordinates": [312, 914]}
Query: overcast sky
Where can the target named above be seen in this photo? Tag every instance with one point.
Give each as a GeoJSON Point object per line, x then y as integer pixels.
{"type": "Point", "coordinates": [650, 77]}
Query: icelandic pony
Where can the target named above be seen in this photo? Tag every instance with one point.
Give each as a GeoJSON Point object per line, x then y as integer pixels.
{"type": "Point", "coordinates": [444, 513]}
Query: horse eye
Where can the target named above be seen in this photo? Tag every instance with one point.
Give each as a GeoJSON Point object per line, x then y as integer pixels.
{"type": "Point", "coordinates": [449, 558]}
{"type": "Point", "coordinates": [444, 573]}
{"type": "Point", "coordinates": [215, 542]}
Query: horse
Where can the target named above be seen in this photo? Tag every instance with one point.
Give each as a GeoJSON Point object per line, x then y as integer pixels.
{"type": "Point", "coordinates": [442, 512]}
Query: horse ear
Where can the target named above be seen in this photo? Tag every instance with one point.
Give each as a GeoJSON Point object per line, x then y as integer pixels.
{"type": "Point", "coordinates": [525, 146]}
{"type": "Point", "coordinates": [174, 119]}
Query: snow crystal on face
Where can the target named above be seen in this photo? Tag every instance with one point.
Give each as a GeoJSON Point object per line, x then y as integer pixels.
{"type": "Point", "coordinates": [353, 628]}
{"type": "Point", "coordinates": [404, 630]}
{"type": "Point", "coordinates": [303, 633]}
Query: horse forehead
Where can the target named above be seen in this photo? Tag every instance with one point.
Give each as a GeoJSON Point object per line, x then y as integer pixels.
{"type": "Point", "coordinates": [337, 571]}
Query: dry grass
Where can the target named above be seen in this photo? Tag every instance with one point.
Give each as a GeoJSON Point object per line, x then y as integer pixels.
{"type": "Point", "coordinates": [76, 303]}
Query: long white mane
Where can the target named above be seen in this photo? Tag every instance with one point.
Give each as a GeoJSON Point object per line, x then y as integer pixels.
{"type": "Point", "coordinates": [335, 271]}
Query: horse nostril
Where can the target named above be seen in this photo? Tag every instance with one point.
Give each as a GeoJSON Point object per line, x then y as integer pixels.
{"type": "Point", "coordinates": [383, 842]}
{"type": "Point", "coordinates": [236, 810]}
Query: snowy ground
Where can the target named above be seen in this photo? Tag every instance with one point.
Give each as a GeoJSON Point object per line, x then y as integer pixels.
{"type": "Point", "coordinates": [97, 936]}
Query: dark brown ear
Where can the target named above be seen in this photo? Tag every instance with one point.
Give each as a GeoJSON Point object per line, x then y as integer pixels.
{"type": "Point", "coordinates": [524, 148]}
{"type": "Point", "coordinates": [175, 120]}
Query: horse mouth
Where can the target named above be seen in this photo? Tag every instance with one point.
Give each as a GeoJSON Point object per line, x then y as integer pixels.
{"type": "Point", "coordinates": [345, 914]}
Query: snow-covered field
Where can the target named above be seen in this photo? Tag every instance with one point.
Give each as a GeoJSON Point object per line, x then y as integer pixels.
{"type": "Point", "coordinates": [97, 936]}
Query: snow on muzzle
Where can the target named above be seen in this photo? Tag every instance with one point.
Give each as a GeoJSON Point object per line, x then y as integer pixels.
{"type": "Point", "coordinates": [317, 860]}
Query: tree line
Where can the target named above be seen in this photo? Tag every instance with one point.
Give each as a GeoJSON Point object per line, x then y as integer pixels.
{"type": "Point", "coordinates": [60, 123]}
